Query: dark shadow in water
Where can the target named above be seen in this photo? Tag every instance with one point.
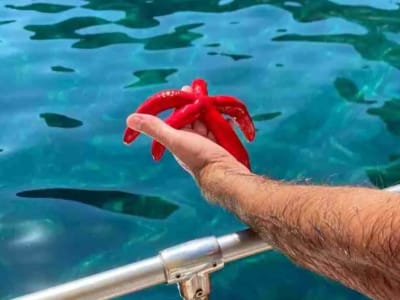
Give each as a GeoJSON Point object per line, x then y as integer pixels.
{"type": "Point", "coordinates": [386, 175]}
{"type": "Point", "coordinates": [65, 29]}
{"type": "Point", "coordinates": [374, 19]}
{"type": "Point", "coordinates": [266, 116]}
{"type": "Point", "coordinates": [212, 45]}
{"type": "Point", "coordinates": [394, 157]}
{"type": "Point", "coordinates": [60, 121]}
{"type": "Point", "coordinates": [98, 40]}
{"type": "Point", "coordinates": [144, 14]}
{"type": "Point", "coordinates": [1, 150]}
{"type": "Point", "coordinates": [42, 7]}
{"type": "Point", "coordinates": [62, 69]}
{"type": "Point", "coordinates": [6, 22]}
{"type": "Point", "coordinates": [235, 57]}
{"type": "Point", "coordinates": [349, 91]}
{"type": "Point", "coordinates": [179, 38]}
{"type": "Point", "coordinates": [390, 114]}
{"type": "Point", "coordinates": [116, 201]}
{"type": "Point", "coordinates": [149, 77]}
{"type": "Point", "coordinates": [373, 45]}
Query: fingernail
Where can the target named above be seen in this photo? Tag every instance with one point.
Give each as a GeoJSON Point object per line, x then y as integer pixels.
{"type": "Point", "coordinates": [186, 88]}
{"type": "Point", "coordinates": [135, 121]}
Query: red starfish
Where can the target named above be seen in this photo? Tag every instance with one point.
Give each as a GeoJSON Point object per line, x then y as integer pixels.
{"type": "Point", "coordinates": [198, 105]}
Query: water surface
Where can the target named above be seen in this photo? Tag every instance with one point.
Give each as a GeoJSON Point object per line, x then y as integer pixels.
{"type": "Point", "coordinates": [321, 78]}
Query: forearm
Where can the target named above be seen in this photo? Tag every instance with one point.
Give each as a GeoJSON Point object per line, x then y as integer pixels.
{"type": "Point", "coordinates": [348, 234]}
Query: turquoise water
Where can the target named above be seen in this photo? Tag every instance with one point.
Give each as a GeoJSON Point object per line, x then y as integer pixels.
{"type": "Point", "coordinates": [320, 77]}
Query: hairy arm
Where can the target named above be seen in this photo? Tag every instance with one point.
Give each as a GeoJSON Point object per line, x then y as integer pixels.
{"type": "Point", "coordinates": [346, 233]}
{"type": "Point", "coordinates": [349, 234]}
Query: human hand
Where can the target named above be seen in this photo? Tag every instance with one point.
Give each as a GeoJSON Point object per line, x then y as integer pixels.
{"type": "Point", "coordinates": [193, 147]}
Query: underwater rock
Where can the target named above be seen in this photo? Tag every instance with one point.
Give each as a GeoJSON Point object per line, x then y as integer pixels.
{"type": "Point", "coordinates": [349, 91]}
{"type": "Point", "coordinates": [60, 121]}
{"type": "Point", "coordinates": [154, 76]}
{"type": "Point", "coordinates": [390, 114]}
{"type": "Point", "coordinates": [151, 207]}
{"type": "Point", "coordinates": [62, 69]}
{"type": "Point", "coordinates": [42, 7]}
{"type": "Point", "coordinates": [266, 116]}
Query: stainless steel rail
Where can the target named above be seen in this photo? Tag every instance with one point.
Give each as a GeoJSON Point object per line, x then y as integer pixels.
{"type": "Point", "coordinates": [176, 264]}
{"type": "Point", "coordinates": [188, 264]}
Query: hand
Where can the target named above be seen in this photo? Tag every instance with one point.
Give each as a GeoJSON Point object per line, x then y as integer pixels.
{"type": "Point", "coordinates": [193, 147]}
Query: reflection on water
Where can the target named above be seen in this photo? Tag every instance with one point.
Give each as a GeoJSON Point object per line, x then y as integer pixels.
{"type": "Point", "coordinates": [212, 45]}
{"type": "Point", "coordinates": [148, 77]}
{"type": "Point", "coordinates": [65, 29]}
{"type": "Point", "coordinates": [62, 69]}
{"type": "Point", "coordinates": [42, 7]}
{"type": "Point", "coordinates": [6, 22]}
{"type": "Point", "coordinates": [181, 37]}
{"type": "Point", "coordinates": [116, 201]}
{"type": "Point", "coordinates": [375, 21]}
{"type": "Point", "coordinates": [349, 91]}
{"type": "Point", "coordinates": [385, 49]}
{"type": "Point", "coordinates": [320, 79]}
{"type": "Point", "coordinates": [235, 57]}
{"type": "Point", "coordinates": [266, 116]}
{"type": "Point", "coordinates": [390, 114]}
{"type": "Point", "coordinates": [61, 121]}
{"type": "Point", "coordinates": [385, 175]}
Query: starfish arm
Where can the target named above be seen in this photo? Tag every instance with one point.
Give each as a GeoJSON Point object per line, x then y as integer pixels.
{"type": "Point", "coordinates": [237, 110]}
{"type": "Point", "coordinates": [178, 119]}
{"type": "Point", "coordinates": [157, 103]}
{"type": "Point", "coordinates": [225, 135]}
{"type": "Point", "coordinates": [199, 87]}
{"type": "Point", "coordinates": [224, 100]}
{"type": "Point", "coordinates": [242, 119]}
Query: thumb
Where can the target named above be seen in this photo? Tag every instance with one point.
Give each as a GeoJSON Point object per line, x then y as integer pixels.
{"type": "Point", "coordinates": [152, 126]}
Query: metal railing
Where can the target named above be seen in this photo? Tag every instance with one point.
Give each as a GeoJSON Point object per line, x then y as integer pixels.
{"type": "Point", "coordinates": [188, 265]}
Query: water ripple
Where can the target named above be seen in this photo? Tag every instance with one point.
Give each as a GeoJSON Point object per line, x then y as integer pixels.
{"type": "Point", "coordinates": [319, 77]}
